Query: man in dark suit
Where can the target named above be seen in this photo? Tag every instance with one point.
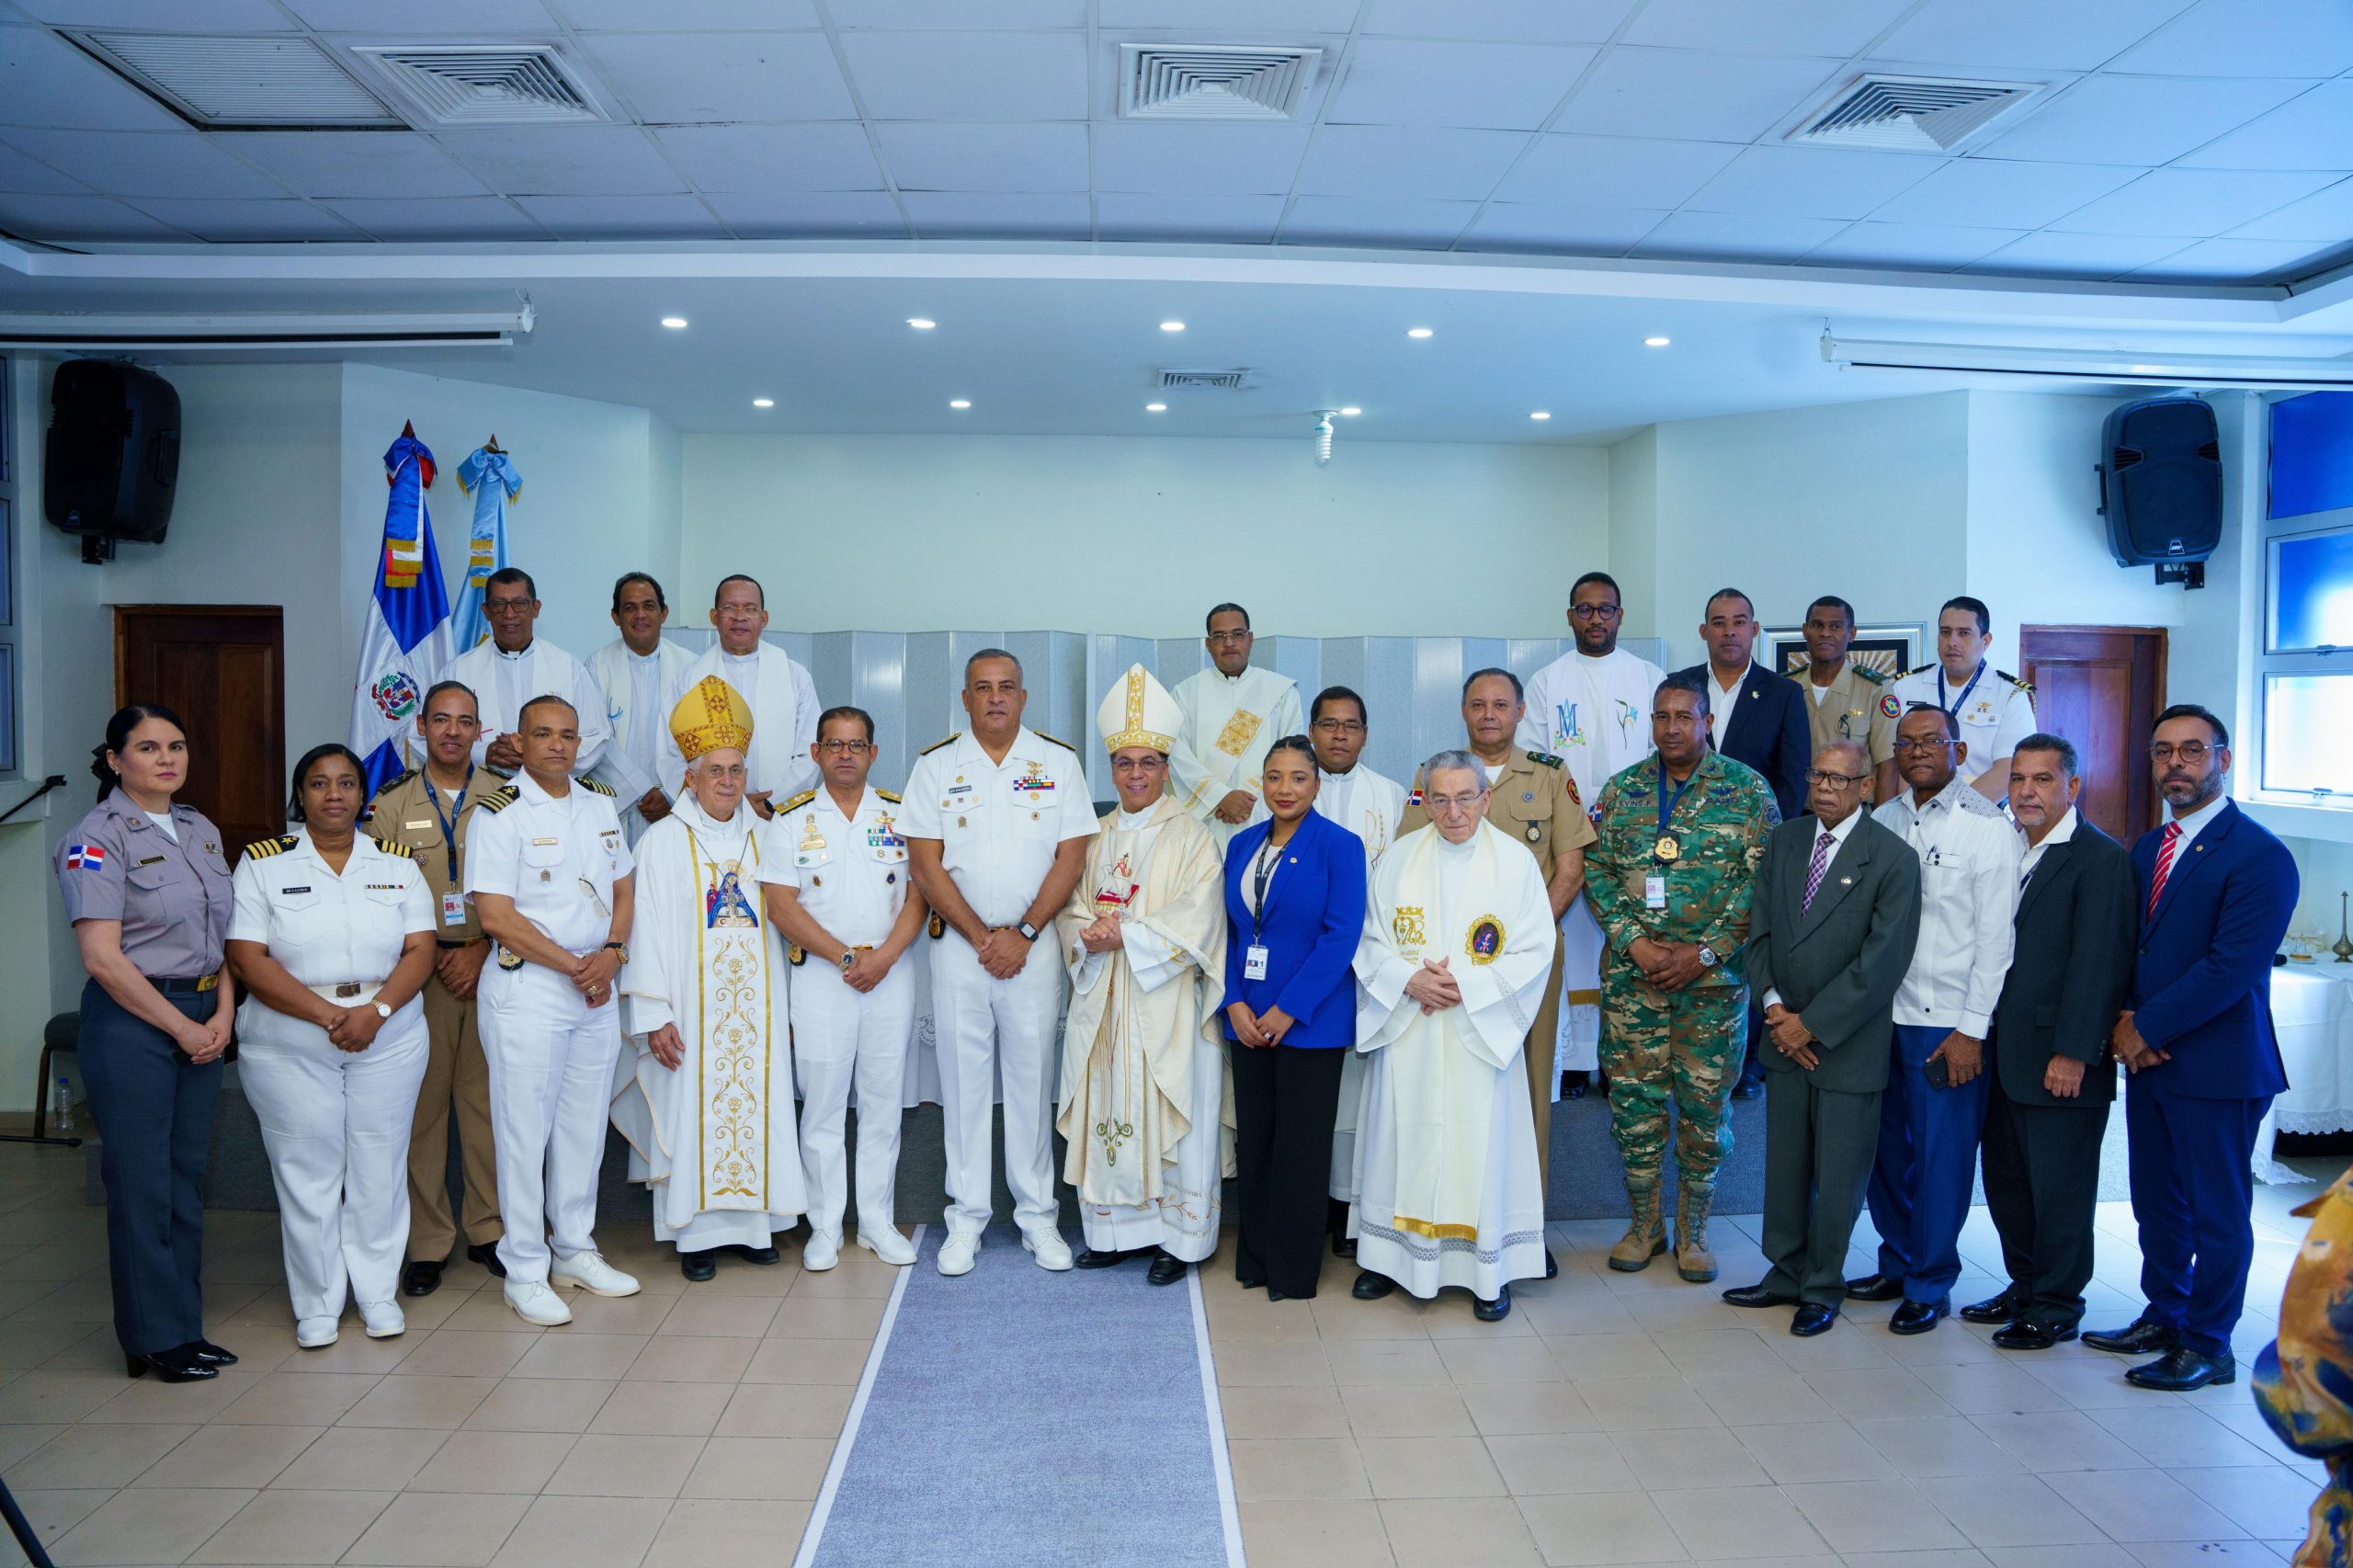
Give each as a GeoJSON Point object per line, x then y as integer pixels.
{"type": "Point", "coordinates": [2053, 1080]}
{"type": "Point", "coordinates": [1757, 717]}
{"type": "Point", "coordinates": [2216, 892]}
{"type": "Point", "coordinates": [1833, 921]}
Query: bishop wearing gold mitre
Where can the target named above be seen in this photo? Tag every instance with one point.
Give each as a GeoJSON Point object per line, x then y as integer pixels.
{"type": "Point", "coordinates": [705, 1098]}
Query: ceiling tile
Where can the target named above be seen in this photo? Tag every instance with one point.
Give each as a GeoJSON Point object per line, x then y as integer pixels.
{"type": "Point", "coordinates": [1196, 219]}
{"type": "Point", "coordinates": [1379, 161]}
{"type": "Point", "coordinates": [2191, 201]}
{"type": "Point", "coordinates": [938, 76]}
{"type": "Point", "coordinates": [2312, 131]}
{"type": "Point", "coordinates": [25, 176]}
{"type": "Point", "coordinates": [2325, 216]}
{"type": "Point", "coordinates": [422, 18]}
{"type": "Point", "coordinates": [1684, 95]}
{"type": "Point", "coordinates": [1614, 171]}
{"type": "Point", "coordinates": [2240, 261]}
{"type": "Point", "coordinates": [1999, 193]}
{"type": "Point", "coordinates": [1242, 20]}
{"type": "Point", "coordinates": [623, 217]}
{"type": "Point", "coordinates": [2247, 38]}
{"type": "Point", "coordinates": [1938, 246]}
{"type": "Point", "coordinates": [1019, 14]}
{"type": "Point", "coordinates": [2143, 121]}
{"type": "Point", "coordinates": [565, 160]}
{"type": "Point", "coordinates": [2053, 255]}
{"type": "Point", "coordinates": [1148, 155]}
{"type": "Point", "coordinates": [1544, 228]}
{"type": "Point", "coordinates": [249, 222]}
{"type": "Point", "coordinates": [1811, 182]}
{"type": "Point", "coordinates": [457, 219]}
{"type": "Point", "coordinates": [949, 214]}
{"type": "Point", "coordinates": [46, 81]}
{"type": "Point", "coordinates": [1507, 21]}
{"type": "Point", "coordinates": [1500, 86]}
{"type": "Point", "coordinates": [64, 220]}
{"type": "Point", "coordinates": [140, 163]}
{"type": "Point", "coordinates": [692, 78]}
{"type": "Point", "coordinates": [775, 215]}
{"type": "Point", "coordinates": [172, 15]}
{"type": "Point", "coordinates": [688, 16]}
{"type": "Point", "coordinates": [1745, 27]}
{"type": "Point", "coordinates": [820, 155]}
{"type": "Point", "coordinates": [352, 163]}
{"type": "Point", "coordinates": [1739, 237]}
{"type": "Point", "coordinates": [1377, 222]}
{"type": "Point", "coordinates": [2035, 34]}
{"type": "Point", "coordinates": [984, 157]}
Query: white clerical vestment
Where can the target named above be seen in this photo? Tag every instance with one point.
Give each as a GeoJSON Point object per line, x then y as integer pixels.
{"type": "Point", "coordinates": [1144, 1097]}
{"type": "Point", "coordinates": [715, 1138]}
{"type": "Point", "coordinates": [783, 701]}
{"type": "Point", "coordinates": [1230, 720]}
{"type": "Point", "coordinates": [637, 719]}
{"type": "Point", "coordinates": [503, 682]}
{"type": "Point", "coordinates": [1369, 806]}
{"type": "Point", "coordinates": [1594, 715]}
{"type": "Point", "coordinates": [1447, 1190]}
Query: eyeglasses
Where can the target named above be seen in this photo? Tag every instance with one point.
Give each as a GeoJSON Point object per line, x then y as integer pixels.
{"type": "Point", "coordinates": [836, 746]}
{"type": "Point", "coordinates": [1935, 744]}
{"type": "Point", "coordinates": [1230, 639]}
{"type": "Point", "coordinates": [1836, 780]}
{"type": "Point", "coordinates": [505, 606]}
{"type": "Point", "coordinates": [1436, 803]}
{"type": "Point", "coordinates": [2192, 753]}
{"type": "Point", "coordinates": [1338, 726]}
{"type": "Point", "coordinates": [1593, 612]}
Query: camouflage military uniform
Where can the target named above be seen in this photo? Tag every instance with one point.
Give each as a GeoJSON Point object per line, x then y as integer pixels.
{"type": "Point", "coordinates": [1683, 1044]}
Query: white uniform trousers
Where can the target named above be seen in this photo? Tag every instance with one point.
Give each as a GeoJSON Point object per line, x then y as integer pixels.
{"type": "Point", "coordinates": [550, 1058]}
{"type": "Point", "coordinates": [840, 1036]}
{"type": "Point", "coordinates": [1013, 1025]}
{"type": "Point", "coordinates": [337, 1126]}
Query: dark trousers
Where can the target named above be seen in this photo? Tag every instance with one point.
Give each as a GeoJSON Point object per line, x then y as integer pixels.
{"type": "Point", "coordinates": [1927, 1163]}
{"type": "Point", "coordinates": [2042, 1181]}
{"type": "Point", "coordinates": [2192, 1189]}
{"type": "Point", "coordinates": [1284, 1101]}
{"type": "Point", "coordinates": [153, 1109]}
{"type": "Point", "coordinates": [1818, 1149]}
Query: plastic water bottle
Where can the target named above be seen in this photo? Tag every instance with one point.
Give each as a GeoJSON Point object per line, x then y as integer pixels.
{"type": "Point", "coordinates": [61, 1116]}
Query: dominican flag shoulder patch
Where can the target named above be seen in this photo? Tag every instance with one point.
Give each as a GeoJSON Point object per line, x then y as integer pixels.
{"type": "Point", "coordinates": [84, 856]}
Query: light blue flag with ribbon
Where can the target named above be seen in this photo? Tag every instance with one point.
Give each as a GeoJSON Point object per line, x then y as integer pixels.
{"type": "Point", "coordinates": [489, 476]}
{"type": "Point", "coordinates": [406, 644]}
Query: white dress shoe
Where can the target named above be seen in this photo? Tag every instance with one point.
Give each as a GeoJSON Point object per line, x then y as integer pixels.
{"type": "Point", "coordinates": [1047, 1246]}
{"type": "Point", "coordinates": [316, 1334]}
{"type": "Point", "coordinates": [888, 1245]}
{"type": "Point", "coordinates": [383, 1319]}
{"type": "Point", "coordinates": [823, 1250]}
{"type": "Point", "coordinates": [588, 1272]}
{"type": "Point", "coordinates": [957, 1253]}
{"type": "Point", "coordinates": [535, 1303]}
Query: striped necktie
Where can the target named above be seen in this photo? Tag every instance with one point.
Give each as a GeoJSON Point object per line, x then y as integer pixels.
{"type": "Point", "coordinates": [1821, 844]}
{"type": "Point", "coordinates": [2165, 866]}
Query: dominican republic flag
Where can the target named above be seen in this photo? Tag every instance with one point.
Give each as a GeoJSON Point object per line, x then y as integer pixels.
{"type": "Point", "coordinates": [405, 645]}
{"type": "Point", "coordinates": [84, 858]}
{"type": "Point", "coordinates": [488, 475]}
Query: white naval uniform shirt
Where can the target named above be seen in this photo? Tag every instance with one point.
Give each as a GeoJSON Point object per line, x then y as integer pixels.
{"type": "Point", "coordinates": [1969, 891]}
{"type": "Point", "coordinates": [326, 929]}
{"type": "Point", "coordinates": [998, 823]}
{"type": "Point", "coordinates": [540, 850]}
{"type": "Point", "coordinates": [1365, 803]}
{"type": "Point", "coordinates": [1998, 714]}
{"type": "Point", "coordinates": [850, 872]}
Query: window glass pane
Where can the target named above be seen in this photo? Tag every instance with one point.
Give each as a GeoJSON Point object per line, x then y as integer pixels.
{"type": "Point", "coordinates": [7, 707]}
{"type": "Point", "coordinates": [2308, 734]}
{"type": "Point", "coordinates": [2312, 591]}
{"type": "Point", "coordinates": [2312, 454]}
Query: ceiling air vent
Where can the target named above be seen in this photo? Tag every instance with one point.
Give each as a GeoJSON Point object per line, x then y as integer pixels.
{"type": "Point", "coordinates": [1203, 381]}
{"type": "Point", "coordinates": [240, 83]}
{"type": "Point", "coordinates": [1169, 81]}
{"type": "Point", "coordinates": [1909, 114]}
{"type": "Point", "coordinates": [496, 84]}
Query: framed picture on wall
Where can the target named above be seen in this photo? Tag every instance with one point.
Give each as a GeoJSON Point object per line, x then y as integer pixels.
{"type": "Point", "coordinates": [1889, 649]}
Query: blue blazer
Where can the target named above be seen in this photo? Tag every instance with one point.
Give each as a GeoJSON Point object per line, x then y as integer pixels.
{"type": "Point", "coordinates": [1314, 919]}
{"type": "Point", "coordinates": [2201, 980]}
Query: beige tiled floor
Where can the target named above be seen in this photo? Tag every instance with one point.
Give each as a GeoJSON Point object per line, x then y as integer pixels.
{"type": "Point", "coordinates": [1612, 1420]}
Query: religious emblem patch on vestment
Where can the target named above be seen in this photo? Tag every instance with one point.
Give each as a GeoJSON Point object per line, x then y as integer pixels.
{"type": "Point", "coordinates": [1485, 941]}
{"type": "Point", "coordinates": [1407, 926]}
{"type": "Point", "coordinates": [1235, 736]}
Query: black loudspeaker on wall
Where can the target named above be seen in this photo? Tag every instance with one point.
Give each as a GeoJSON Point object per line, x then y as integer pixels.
{"type": "Point", "coordinates": [2160, 486]}
{"type": "Point", "coordinates": [113, 456]}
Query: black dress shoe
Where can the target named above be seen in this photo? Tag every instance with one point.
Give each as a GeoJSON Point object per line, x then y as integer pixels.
{"type": "Point", "coordinates": [1089, 1259]}
{"type": "Point", "coordinates": [2141, 1337]}
{"type": "Point", "coordinates": [212, 1354]}
{"type": "Point", "coordinates": [2181, 1370]}
{"type": "Point", "coordinates": [1247, 1282]}
{"type": "Point", "coordinates": [1574, 1084]}
{"type": "Point", "coordinates": [698, 1266]}
{"type": "Point", "coordinates": [1874, 1288]}
{"type": "Point", "coordinates": [1551, 1264]}
{"type": "Point", "coordinates": [2004, 1308]}
{"type": "Point", "coordinates": [171, 1366]}
{"type": "Point", "coordinates": [1916, 1317]}
{"type": "Point", "coordinates": [2026, 1336]}
{"type": "Point", "coordinates": [1166, 1269]}
{"type": "Point", "coordinates": [1274, 1295]}
{"type": "Point", "coordinates": [1812, 1318]}
{"type": "Point", "coordinates": [1344, 1246]}
{"type": "Point", "coordinates": [1371, 1287]}
{"type": "Point", "coordinates": [421, 1278]}
{"type": "Point", "coordinates": [1494, 1311]}
{"type": "Point", "coordinates": [486, 1253]}
{"type": "Point", "coordinates": [764, 1256]}
{"type": "Point", "coordinates": [1757, 1296]}
{"type": "Point", "coordinates": [1745, 1090]}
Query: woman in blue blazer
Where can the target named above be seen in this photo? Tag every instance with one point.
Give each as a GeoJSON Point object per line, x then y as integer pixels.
{"type": "Point", "coordinates": [1294, 903]}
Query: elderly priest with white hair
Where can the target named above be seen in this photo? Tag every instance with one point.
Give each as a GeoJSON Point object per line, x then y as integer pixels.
{"type": "Point", "coordinates": [1456, 951]}
{"type": "Point", "coordinates": [706, 1099]}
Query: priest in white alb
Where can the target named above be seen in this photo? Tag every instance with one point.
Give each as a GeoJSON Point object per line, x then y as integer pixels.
{"type": "Point", "coordinates": [705, 1098]}
{"type": "Point", "coordinates": [1233, 712]}
{"type": "Point", "coordinates": [774, 685]}
{"type": "Point", "coordinates": [1143, 1094]}
{"type": "Point", "coordinates": [1456, 951]}
{"type": "Point", "coordinates": [515, 665]}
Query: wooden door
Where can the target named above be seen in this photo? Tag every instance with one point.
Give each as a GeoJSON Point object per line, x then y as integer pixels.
{"type": "Point", "coordinates": [222, 669]}
{"type": "Point", "coordinates": [2101, 687]}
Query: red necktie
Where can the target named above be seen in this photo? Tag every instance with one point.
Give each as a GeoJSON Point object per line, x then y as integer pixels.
{"type": "Point", "coordinates": [2165, 865]}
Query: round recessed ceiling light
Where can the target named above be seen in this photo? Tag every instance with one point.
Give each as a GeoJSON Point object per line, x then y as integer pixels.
{"type": "Point", "coordinates": [1418, 332]}
{"type": "Point", "coordinates": [1155, 408]}
{"type": "Point", "coordinates": [764, 403]}
{"type": "Point", "coordinates": [959, 403]}
{"type": "Point", "coordinates": [1540, 414]}
{"type": "Point", "coordinates": [922, 323]}
{"type": "Point", "coordinates": [1351, 412]}
{"type": "Point", "coordinates": [676, 324]}
{"type": "Point", "coordinates": [1657, 342]}
{"type": "Point", "coordinates": [1172, 326]}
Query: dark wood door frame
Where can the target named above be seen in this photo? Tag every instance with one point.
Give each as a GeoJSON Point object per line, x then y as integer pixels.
{"type": "Point", "coordinates": [2147, 650]}
{"type": "Point", "coordinates": [235, 709]}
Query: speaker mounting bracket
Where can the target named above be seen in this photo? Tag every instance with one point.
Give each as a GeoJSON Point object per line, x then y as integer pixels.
{"type": "Point", "coordinates": [2189, 573]}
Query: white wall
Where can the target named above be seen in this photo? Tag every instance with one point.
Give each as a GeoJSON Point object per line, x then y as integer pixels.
{"type": "Point", "coordinates": [1142, 535]}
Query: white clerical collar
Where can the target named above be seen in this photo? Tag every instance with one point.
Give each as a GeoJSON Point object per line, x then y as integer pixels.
{"type": "Point", "coordinates": [1331, 778]}
{"type": "Point", "coordinates": [1447, 847]}
{"type": "Point", "coordinates": [637, 658]}
{"type": "Point", "coordinates": [692, 808]}
{"type": "Point", "coordinates": [1234, 680]}
{"type": "Point", "coordinates": [1136, 819]}
{"type": "Point", "coordinates": [522, 653]}
{"type": "Point", "coordinates": [741, 658]}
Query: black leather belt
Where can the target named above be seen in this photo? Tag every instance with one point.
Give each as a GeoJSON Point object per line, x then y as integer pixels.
{"type": "Point", "coordinates": [441, 943]}
{"type": "Point", "coordinates": [191, 987]}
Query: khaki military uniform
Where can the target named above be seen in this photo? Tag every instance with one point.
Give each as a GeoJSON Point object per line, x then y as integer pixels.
{"type": "Point", "coordinates": [1533, 799]}
{"type": "Point", "coordinates": [455, 1071]}
{"type": "Point", "coordinates": [1859, 705]}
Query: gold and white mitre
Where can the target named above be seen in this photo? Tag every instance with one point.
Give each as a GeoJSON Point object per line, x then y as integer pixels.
{"type": "Point", "coordinates": [1139, 711]}
{"type": "Point", "coordinates": [712, 716]}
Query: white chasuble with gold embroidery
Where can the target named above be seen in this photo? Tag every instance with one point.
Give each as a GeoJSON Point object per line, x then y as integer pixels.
{"type": "Point", "coordinates": [1230, 720]}
{"type": "Point", "coordinates": [715, 1137]}
{"type": "Point", "coordinates": [1143, 1083]}
{"type": "Point", "coordinates": [1447, 1186]}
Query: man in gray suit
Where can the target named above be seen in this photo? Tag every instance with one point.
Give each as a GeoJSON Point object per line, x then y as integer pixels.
{"type": "Point", "coordinates": [1831, 930]}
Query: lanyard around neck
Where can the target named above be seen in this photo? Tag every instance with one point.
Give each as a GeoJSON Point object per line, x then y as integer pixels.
{"type": "Point", "coordinates": [448, 820]}
{"type": "Point", "coordinates": [1958, 702]}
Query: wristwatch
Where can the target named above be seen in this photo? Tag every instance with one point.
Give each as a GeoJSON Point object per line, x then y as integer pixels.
{"type": "Point", "coordinates": [620, 948]}
{"type": "Point", "coordinates": [849, 958]}
{"type": "Point", "coordinates": [1707, 957]}
{"type": "Point", "coordinates": [382, 1011]}
{"type": "Point", "coordinates": [1029, 932]}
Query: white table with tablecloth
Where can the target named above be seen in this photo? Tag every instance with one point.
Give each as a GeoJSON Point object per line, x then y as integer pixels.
{"type": "Point", "coordinates": [2311, 1007]}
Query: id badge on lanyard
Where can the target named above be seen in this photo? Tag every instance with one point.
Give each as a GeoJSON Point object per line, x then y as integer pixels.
{"type": "Point", "coordinates": [1654, 891]}
{"type": "Point", "coordinates": [453, 909]}
{"type": "Point", "coordinates": [1254, 961]}
{"type": "Point", "coordinates": [1254, 956]}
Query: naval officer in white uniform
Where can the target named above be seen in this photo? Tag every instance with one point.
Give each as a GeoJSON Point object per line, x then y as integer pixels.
{"type": "Point", "coordinates": [1993, 708]}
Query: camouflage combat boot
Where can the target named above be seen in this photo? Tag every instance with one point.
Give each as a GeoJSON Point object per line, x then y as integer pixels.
{"type": "Point", "coordinates": [1692, 1259]}
{"type": "Point", "coordinates": [1645, 1237]}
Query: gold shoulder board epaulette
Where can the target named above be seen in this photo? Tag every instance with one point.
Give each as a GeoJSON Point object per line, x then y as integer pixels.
{"type": "Point", "coordinates": [1546, 757]}
{"type": "Point", "coordinates": [499, 799]}
{"type": "Point", "coordinates": [1870, 675]}
{"type": "Point", "coordinates": [601, 787]}
{"type": "Point", "coordinates": [1907, 675]}
{"type": "Point", "coordinates": [886, 794]}
{"type": "Point", "coordinates": [392, 847]}
{"type": "Point", "coordinates": [797, 802]}
{"type": "Point", "coordinates": [2027, 687]}
{"type": "Point", "coordinates": [263, 848]}
{"type": "Point", "coordinates": [1064, 743]}
{"type": "Point", "coordinates": [937, 745]}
